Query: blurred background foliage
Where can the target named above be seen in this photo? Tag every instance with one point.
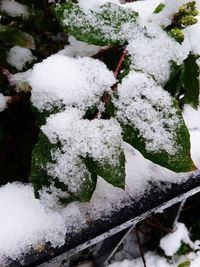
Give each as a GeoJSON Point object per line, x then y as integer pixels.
{"type": "Point", "coordinates": [40, 32]}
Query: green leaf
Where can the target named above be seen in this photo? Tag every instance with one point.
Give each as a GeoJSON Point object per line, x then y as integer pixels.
{"type": "Point", "coordinates": [159, 8]}
{"type": "Point", "coordinates": [179, 162]}
{"type": "Point", "coordinates": [174, 84]}
{"type": "Point", "coordinates": [101, 27]}
{"type": "Point", "coordinates": [14, 36]}
{"type": "Point", "coordinates": [152, 122]}
{"type": "Point", "coordinates": [114, 175]}
{"type": "Point", "coordinates": [40, 178]}
{"type": "Point", "coordinates": [190, 81]}
{"type": "Point", "coordinates": [41, 155]}
{"type": "Point", "coordinates": [186, 263]}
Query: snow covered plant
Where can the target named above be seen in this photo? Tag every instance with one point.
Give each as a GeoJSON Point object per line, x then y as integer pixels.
{"type": "Point", "coordinates": [132, 89]}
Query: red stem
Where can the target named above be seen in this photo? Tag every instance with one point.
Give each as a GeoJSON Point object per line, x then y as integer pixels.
{"type": "Point", "coordinates": [119, 65]}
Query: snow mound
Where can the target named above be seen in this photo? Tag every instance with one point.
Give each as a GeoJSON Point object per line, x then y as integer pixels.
{"type": "Point", "coordinates": [60, 80]}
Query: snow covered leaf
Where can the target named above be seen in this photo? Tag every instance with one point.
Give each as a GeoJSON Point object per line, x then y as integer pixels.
{"type": "Point", "coordinates": [71, 152]}
{"type": "Point", "coordinates": [14, 36]}
{"type": "Point", "coordinates": [99, 26]}
{"type": "Point", "coordinates": [152, 122]}
{"type": "Point", "coordinates": [190, 81]}
{"type": "Point", "coordinates": [43, 181]}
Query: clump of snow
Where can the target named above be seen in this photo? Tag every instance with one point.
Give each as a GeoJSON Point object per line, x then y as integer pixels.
{"type": "Point", "coordinates": [152, 50]}
{"type": "Point", "coordinates": [172, 241]}
{"type": "Point", "coordinates": [13, 8]}
{"type": "Point", "coordinates": [25, 222]}
{"type": "Point", "coordinates": [146, 106]}
{"type": "Point", "coordinates": [60, 80]}
{"type": "Point", "coordinates": [99, 139]}
{"type": "Point", "coordinates": [19, 56]}
{"type": "Point", "coordinates": [79, 49]}
{"type": "Point", "coordinates": [2, 102]}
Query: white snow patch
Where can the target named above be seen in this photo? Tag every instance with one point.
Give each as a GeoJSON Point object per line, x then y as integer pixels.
{"type": "Point", "coordinates": [172, 241]}
{"type": "Point", "coordinates": [25, 222]}
{"type": "Point", "coordinates": [13, 8]}
{"type": "Point", "coordinates": [192, 37]}
{"type": "Point", "coordinates": [192, 120]}
{"type": "Point", "coordinates": [19, 56]}
{"type": "Point", "coordinates": [60, 80]}
{"type": "Point", "coordinates": [3, 101]}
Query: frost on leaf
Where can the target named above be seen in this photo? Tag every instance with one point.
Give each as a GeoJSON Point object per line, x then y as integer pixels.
{"type": "Point", "coordinates": [79, 150]}
{"type": "Point", "coordinates": [60, 81]}
{"type": "Point", "coordinates": [152, 122]}
{"type": "Point", "coordinates": [100, 26]}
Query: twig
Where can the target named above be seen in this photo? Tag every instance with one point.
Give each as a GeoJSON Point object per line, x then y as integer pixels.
{"type": "Point", "coordinates": [140, 247]}
{"type": "Point", "coordinates": [106, 96]}
{"type": "Point", "coordinates": [119, 65]}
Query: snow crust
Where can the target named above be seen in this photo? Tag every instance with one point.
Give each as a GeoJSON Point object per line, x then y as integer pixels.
{"type": "Point", "coordinates": [63, 81]}
{"type": "Point", "coordinates": [13, 8]}
{"type": "Point", "coordinates": [19, 56]}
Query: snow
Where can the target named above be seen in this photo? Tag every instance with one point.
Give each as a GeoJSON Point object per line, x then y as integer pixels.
{"type": "Point", "coordinates": [192, 36]}
{"type": "Point", "coordinates": [164, 18]}
{"type": "Point", "coordinates": [99, 139]}
{"type": "Point", "coordinates": [2, 102]}
{"type": "Point", "coordinates": [152, 50]}
{"type": "Point", "coordinates": [73, 85]}
{"type": "Point", "coordinates": [172, 241]}
{"type": "Point", "coordinates": [77, 82]}
{"type": "Point", "coordinates": [144, 8]}
{"type": "Point", "coordinates": [139, 99]}
{"type": "Point", "coordinates": [19, 56]}
{"type": "Point", "coordinates": [13, 8]}
{"type": "Point", "coordinates": [79, 49]}
{"type": "Point", "coordinates": [25, 222]}
{"type": "Point", "coordinates": [192, 120]}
